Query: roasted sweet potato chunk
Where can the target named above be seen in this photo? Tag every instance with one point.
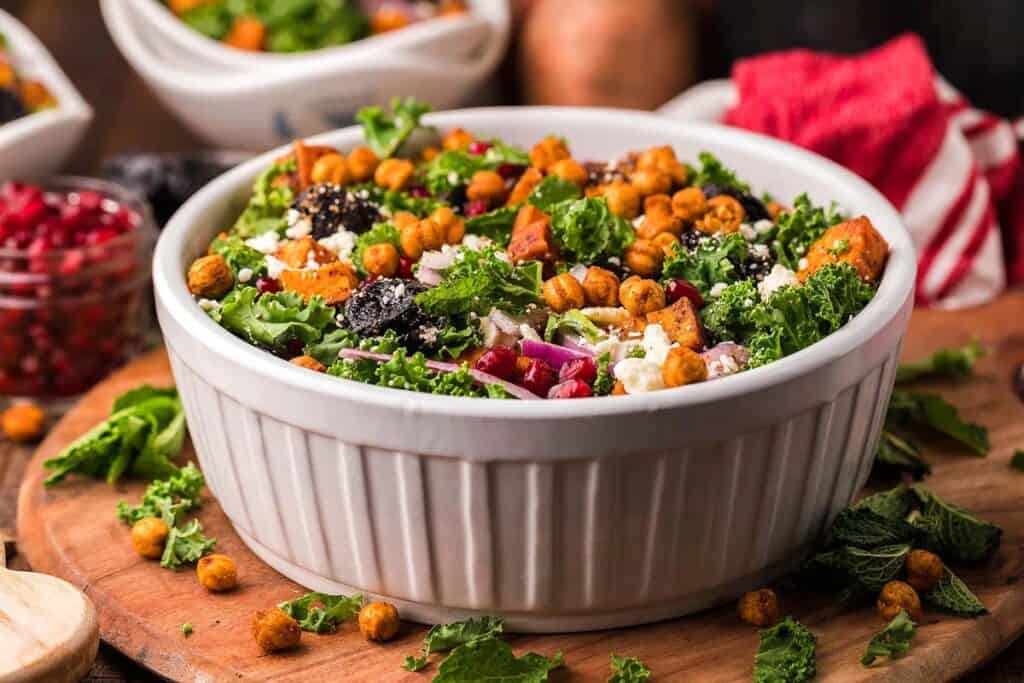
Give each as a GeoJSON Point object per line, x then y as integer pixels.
{"type": "Point", "coordinates": [297, 253]}
{"type": "Point", "coordinates": [856, 242]}
{"type": "Point", "coordinates": [526, 184]}
{"type": "Point", "coordinates": [680, 323]}
{"type": "Point", "coordinates": [531, 236]}
{"type": "Point", "coordinates": [333, 282]}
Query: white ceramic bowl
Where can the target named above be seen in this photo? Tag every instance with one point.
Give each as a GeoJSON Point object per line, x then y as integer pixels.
{"type": "Point", "coordinates": [455, 37]}
{"type": "Point", "coordinates": [256, 109]}
{"type": "Point", "coordinates": [560, 516]}
{"type": "Point", "coordinates": [36, 146]}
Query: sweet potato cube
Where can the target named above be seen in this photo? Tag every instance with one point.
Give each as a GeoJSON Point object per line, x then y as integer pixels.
{"type": "Point", "coordinates": [526, 184]}
{"type": "Point", "coordinates": [680, 323]}
{"type": "Point", "coordinates": [333, 282]}
{"type": "Point", "coordinates": [856, 242]}
{"type": "Point", "coordinates": [298, 253]}
{"type": "Point", "coordinates": [531, 236]}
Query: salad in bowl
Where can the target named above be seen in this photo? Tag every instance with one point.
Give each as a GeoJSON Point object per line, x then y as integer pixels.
{"type": "Point", "coordinates": [484, 269]}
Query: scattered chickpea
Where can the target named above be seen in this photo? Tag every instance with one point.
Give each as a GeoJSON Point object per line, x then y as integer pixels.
{"type": "Point", "coordinates": [362, 163]}
{"type": "Point", "coordinates": [394, 174]}
{"type": "Point", "coordinates": [548, 151]}
{"type": "Point", "coordinates": [600, 287]}
{"type": "Point", "coordinates": [23, 421]}
{"type": "Point", "coordinates": [217, 572]}
{"type": "Point", "coordinates": [655, 224]}
{"type": "Point", "coordinates": [644, 257]}
{"type": "Point", "coordinates": [689, 204]}
{"type": "Point", "coordinates": [457, 139]}
{"type": "Point", "coordinates": [246, 33]}
{"type": "Point", "coordinates": [424, 235]}
{"type": "Point", "coordinates": [924, 570]}
{"type": "Point", "coordinates": [381, 259]}
{"type": "Point", "coordinates": [563, 293]}
{"type": "Point", "coordinates": [210, 277]}
{"type": "Point", "coordinates": [667, 242]}
{"type": "Point", "coordinates": [641, 296]}
{"type": "Point", "coordinates": [378, 621]}
{"type": "Point", "coordinates": [453, 227]}
{"type": "Point", "coordinates": [683, 366]}
{"type": "Point", "coordinates": [330, 168]}
{"type": "Point", "coordinates": [724, 215]}
{"type": "Point", "coordinates": [648, 182]}
{"type": "Point", "coordinates": [623, 199]}
{"type": "Point", "coordinates": [486, 185]}
{"type": "Point", "coordinates": [760, 607]}
{"type": "Point", "coordinates": [897, 595]}
{"type": "Point", "coordinates": [658, 205]}
{"type": "Point", "coordinates": [309, 362]}
{"type": "Point", "coordinates": [403, 219]}
{"type": "Point", "coordinates": [663, 159]}
{"type": "Point", "coordinates": [149, 535]}
{"type": "Point", "coordinates": [274, 630]}
{"type": "Point", "coordinates": [570, 170]}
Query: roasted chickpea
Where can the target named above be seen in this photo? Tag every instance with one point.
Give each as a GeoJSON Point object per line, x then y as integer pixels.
{"type": "Point", "coordinates": [425, 235]}
{"type": "Point", "coordinates": [571, 171]}
{"type": "Point", "coordinates": [644, 257]}
{"type": "Point", "coordinates": [563, 293]}
{"type": "Point", "coordinates": [330, 168]}
{"type": "Point", "coordinates": [309, 362]}
{"type": "Point", "coordinates": [457, 139]}
{"type": "Point", "coordinates": [486, 185]}
{"type": "Point", "coordinates": [453, 227]}
{"type": "Point", "coordinates": [897, 595]}
{"type": "Point", "coordinates": [149, 535]}
{"type": "Point", "coordinates": [689, 204]}
{"type": "Point", "coordinates": [388, 18]}
{"type": "Point", "coordinates": [378, 621]}
{"type": "Point", "coordinates": [724, 215]}
{"type": "Point", "coordinates": [663, 159]}
{"type": "Point", "coordinates": [23, 422]}
{"type": "Point", "coordinates": [429, 153]}
{"type": "Point", "coordinates": [924, 570]}
{"type": "Point", "coordinates": [548, 151]}
{"type": "Point", "coordinates": [180, 7]}
{"type": "Point", "coordinates": [776, 209]}
{"type": "Point", "coordinates": [667, 242]}
{"type": "Point", "coordinates": [683, 366]}
{"type": "Point", "coordinates": [641, 296]}
{"type": "Point", "coordinates": [362, 163]}
{"type": "Point", "coordinates": [648, 182]}
{"type": "Point", "coordinates": [658, 223]}
{"type": "Point", "coordinates": [394, 174]}
{"type": "Point", "coordinates": [526, 184]}
{"type": "Point", "coordinates": [658, 205]}
{"type": "Point", "coordinates": [600, 287]}
{"type": "Point", "coordinates": [217, 572]}
{"type": "Point", "coordinates": [210, 277]}
{"type": "Point", "coordinates": [274, 630]}
{"type": "Point", "coordinates": [246, 33]}
{"type": "Point", "coordinates": [403, 218]}
{"type": "Point", "coordinates": [623, 199]}
{"type": "Point", "coordinates": [760, 607]}
{"type": "Point", "coordinates": [381, 260]}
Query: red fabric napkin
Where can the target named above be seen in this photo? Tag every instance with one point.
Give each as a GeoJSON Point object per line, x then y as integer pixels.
{"type": "Point", "coordinates": [952, 170]}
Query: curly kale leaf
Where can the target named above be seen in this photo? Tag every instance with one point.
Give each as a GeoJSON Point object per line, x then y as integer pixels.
{"type": "Point", "coordinates": [796, 230]}
{"type": "Point", "coordinates": [481, 280]}
{"type": "Point", "coordinates": [273, 319]}
{"type": "Point", "coordinates": [954, 597]}
{"type": "Point", "coordinates": [410, 373]}
{"type": "Point", "coordinates": [863, 570]}
{"type": "Point", "coordinates": [716, 259]}
{"type": "Point", "coordinates": [912, 409]}
{"type": "Point", "coordinates": [895, 503]}
{"type": "Point", "coordinates": [572, 322]}
{"type": "Point", "coordinates": [951, 363]}
{"type": "Point", "coordinates": [604, 383]}
{"type": "Point", "coordinates": [444, 637]}
{"type": "Point", "coordinates": [787, 654]}
{"type": "Point", "coordinates": [713, 172]}
{"type": "Point", "coordinates": [900, 456]}
{"type": "Point", "coordinates": [268, 203]}
{"type": "Point", "coordinates": [167, 499]}
{"type": "Point", "coordinates": [628, 670]}
{"type": "Point", "coordinates": [862, 527]}
{"type": "Point", "coordinates": [385, 133]}
{"type": "Point", "coordinates": [891, 642]}
{"type": "Point", "coordinates": [588, 232]}
{"type": "Point", "coordinates": [239, 256]}
{"type": "Point", "coordinates": [186, 545]}
{"type": "Point", "coordinates": [495, 225]}
{"type": "Point", "coordinates": [553, 190]}
{"type": "Point", "coordinates": [320, 612]}
{"type": "Point", "coordinates": [491, 659]}
{"type": "Point", "coordinates": [728, 317]}
{"type": "Point", "coordinates": [952, 533]}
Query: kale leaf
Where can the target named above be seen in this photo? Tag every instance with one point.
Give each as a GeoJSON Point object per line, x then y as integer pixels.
{"type": "Point", "coordinates": [320, 612]}
{"type": "Point", "coordinates": [953, 363]}
{"type": "Point", "coordinates": [895, 503]}
{"type": "Point", "coordinates": [796, 230]}
{"type": "Point", "coordinates": [553, 190]}
{"type": "Point", "coordinates": [954, 597]}
{"type": "Point", "coordinates": [415, 663]}
{"type": "Point", "coordinates": [901, 456]}
{"type": "Point", "coordinates": [411, 373]}
{"type": "Point", "coordinates": [326, 350]}
{"type": "Point", "coordinates": [892, 642]}
{"type": "Point", "coordinates": [268, 203]}
{"type": "Point", "coordinates": [588, 232]}
{"type": "Point", "coordinates": [604, 383]}
{"type": "Point", "coordinates": [273, 319]}
{"type": "Point", "coordinates": [444, 637]}
{"type": "Point", "coordinates": [572, 322]}
{"type": "Point", "coordinates": [491, 659]}
{"type": "Point", "coordinates": [863, 570]}
{"type": "Point", "coordinates": [481, 280]}
{"type": "Point", "coordinates": [239, 256]}
{"type": "Point", "coordinates": [186, 545]}
{"type": "Point", "coordinates": [713, 172]}
{"type": "Point", "coordinates": [952, 533]}
{"type": "Point", "coordinates": [385, 133]}
{"type": "Point", "coordinates": [862, 527]}
{"type": "Point", "coordinates": [495, 225]}
{"type": "Point", "coordinates": [167, 499]}
{"type": "Point", "coordinates": [628, 670]}
{"type": "Point", "coordinates": [786, 654]}
{"type": "Point", "coordinates": [909, 408]}
{"type": "Point", "coordinates": [728, 317]}
{"type": "Point", "coordinates": [715, 260]}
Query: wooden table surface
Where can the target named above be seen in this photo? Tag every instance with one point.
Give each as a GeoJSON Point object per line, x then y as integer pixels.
{"type": "Point", "coordinates": [129, 117]}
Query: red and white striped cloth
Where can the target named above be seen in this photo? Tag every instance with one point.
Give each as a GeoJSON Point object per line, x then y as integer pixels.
{"type": "Point", "coordinates": [952, 170]}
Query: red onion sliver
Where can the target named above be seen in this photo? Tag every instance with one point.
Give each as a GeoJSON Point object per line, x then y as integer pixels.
{"type": "Point", "coordinates": [428, 276]}
{"type": "Point", "coordinates": [481, 377]}
{"type": "Point", "coordinates": [573, 345]}
{"type": "Point", "coordinates": [554, 355]}
{"type": "Point", "coordinates": [504, 322]}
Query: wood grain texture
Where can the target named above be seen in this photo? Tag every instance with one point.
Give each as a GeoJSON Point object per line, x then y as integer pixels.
{"type": "Point", "coordinates": [142, 606]}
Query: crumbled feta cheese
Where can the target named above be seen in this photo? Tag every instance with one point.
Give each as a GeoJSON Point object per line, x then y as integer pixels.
{"type": "Point", "coordinates": [803, 263]}
{"type": "Point", "coordinates": [245, 274]}
{"type": "Point", "coordinates": [763, 226]}
{"type": "Point", "coordinates": [800, 249]}
{"type": "Point", "coordinates": [529, 333]}
{"type": "Point", "coordinates": [717, 289]}
{"type": "Point", "coordinates": [311, 262]}
{"type": "Point", "coordinates": [760, 251]}
{"type": "Point", "coordinates": [275, 267]}
{"type": "Point", "coordinates": [615, 261]}
{"type": "Point", "coordinates": [638, 221]}
{"type": "Point", "coordinates": [476, 242]}
{"type": "Point", "coordinates": [748, 232]}
{"type": "Point", "coordinates": [722, 366]}
{"type": "Point", "coordinates": [209, 304]}
{"type": "Point", "coordinates": [656, 344]}
{"type": "Point", "coordinates": [340, 244]}
{"type": "Point", "coordinates": [453, 178]}
{"type": "Point", "coordinates": [266, 243]}
{"type": "Point", "coordinates": [639, 375]}
{"type": "Point", "coordinates": [780, 277]}
{"type": "Point", "coordinates": [300, 227]}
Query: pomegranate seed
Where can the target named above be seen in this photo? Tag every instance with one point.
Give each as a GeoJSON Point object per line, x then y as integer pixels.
{"type": "Point", "coordinates": [574, 388]}
{"type": "Point", "coordinates": [508, 171]}
{"type": "Point", "coordinates": [583, 369]}
{"type": "Point", "coordinates": [267, 285]}
{"type": "Point", "coordinates": [677, 289]}
{"type": "Point", "coordinates": [478, 147]}
{"type": "Point", "coordinates": [420, 192]}
{"type": "Point", "coordinates": [499, 361]}
{"type": "Point", "coordinates": [538, 377]}
{"type": "Point", "coordinates": [475, 207]}
{"type": "Point", "coordinates": [405, 265]}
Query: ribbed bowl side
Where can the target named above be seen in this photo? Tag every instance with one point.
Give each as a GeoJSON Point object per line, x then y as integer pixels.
{"type": "Point", "coordinates": [656, 533]}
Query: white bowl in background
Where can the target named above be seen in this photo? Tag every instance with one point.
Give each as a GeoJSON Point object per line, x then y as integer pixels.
{"type": "Point", "coordinates": [559, 516]}
{"type": "Point", "coordinates": [455, 37]}
{"type": "Point", "coordinates": [262, 108]}
{"type": "Point", "coordinates": [707, 101]}
{"type": "Point", "coordinates": [36, 146]}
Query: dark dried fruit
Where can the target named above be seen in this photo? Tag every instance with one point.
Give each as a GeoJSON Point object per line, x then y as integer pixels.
{"type": "Point", "coordinates": [10, 106]}
{"type": "Point", "coordinates": [390, 304]}
{"type": "Point", "coordinates": [754, 207]}
{"type": "Point", "coordinates": [331, 207]}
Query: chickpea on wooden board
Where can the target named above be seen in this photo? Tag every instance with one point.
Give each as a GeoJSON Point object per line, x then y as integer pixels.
{"type": "Point", "coordinates": [23, 421]}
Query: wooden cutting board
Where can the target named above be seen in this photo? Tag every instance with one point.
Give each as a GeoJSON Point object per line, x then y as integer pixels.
{"type": "Point", "coordinates": [71, 531]}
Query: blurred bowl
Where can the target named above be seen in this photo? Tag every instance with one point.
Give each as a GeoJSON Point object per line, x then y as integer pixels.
{"type": "Point", "coordinates": [266, 107]}
{"type": "Point", "coordinates": [37, 145]}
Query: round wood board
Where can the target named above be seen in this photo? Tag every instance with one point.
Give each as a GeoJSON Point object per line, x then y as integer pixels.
{"type": "Point", "coordinates": [71, 531]}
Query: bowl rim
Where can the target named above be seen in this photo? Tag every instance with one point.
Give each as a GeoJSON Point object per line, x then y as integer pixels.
{"type": "Point", "coordinates": [895, 288]}
{"type": "Point", "coordinates": [71, 106]}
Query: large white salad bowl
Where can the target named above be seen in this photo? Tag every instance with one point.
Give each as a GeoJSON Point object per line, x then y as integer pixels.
{"type": "Point", "coordinates": [559, 516]}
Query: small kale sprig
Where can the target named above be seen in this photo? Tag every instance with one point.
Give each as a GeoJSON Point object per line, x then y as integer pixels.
{"type": "Point", "coordinates": [628, 670]}
{"type": "Point", "coordinates": [186, 545]}
{"type": "Point", "coordinates": [320, 612]}
{"type": "Point", "coordinates": [167, 499]}
{"type": "Point", "coordinates": [385, 133]}
{"type": "Point", "coordinates": [788, 652]}
{"type": "Point", "coordinates": [891, 642]}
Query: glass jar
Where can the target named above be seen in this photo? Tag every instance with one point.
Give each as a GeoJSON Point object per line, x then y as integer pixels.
{"type": "Point", "coordinates": [74, 284]}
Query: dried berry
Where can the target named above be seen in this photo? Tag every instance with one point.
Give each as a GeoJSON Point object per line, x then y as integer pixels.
{"type": "Point", "coordinates": [390, 304]}
{"type": "Point", "coordinates": [330, 207]}
{"type": "Point", "coordinates": [10, 106]}
{"type": "Point", "coordinates": [499, 361]}
{"type": "Point", "coordinates": [573, 388]}
{"type": "Point", "coordinates": [583, 369]}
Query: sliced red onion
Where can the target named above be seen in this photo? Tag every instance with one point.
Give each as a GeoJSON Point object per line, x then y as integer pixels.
{"type": "Point", "coordinates": [552, 354]}
{"type": "Point", "coordinates": [504, 321]}
{"type": "Point", "coordinates": [438, 260]}
{"type": "Point", "coordinates": [573, 343]}
{"type": "Point", "coordinates": [481, 377]}
{"type": "Point", "coordinates": [579, 271]}
{"type": "Point", "coordinates": [428, 276]}
{"type": "Point", "coordinates": [713, 359]}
